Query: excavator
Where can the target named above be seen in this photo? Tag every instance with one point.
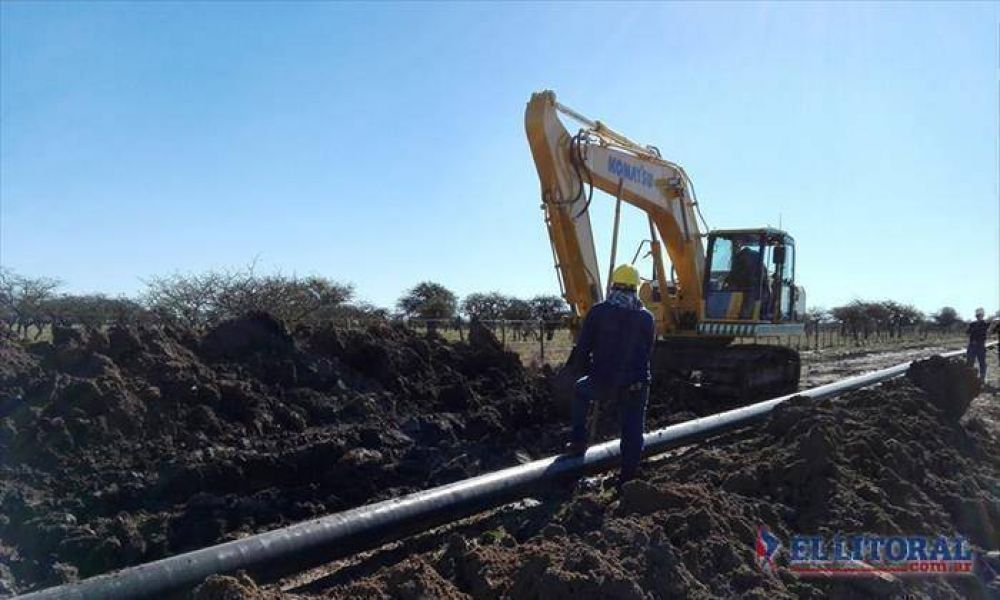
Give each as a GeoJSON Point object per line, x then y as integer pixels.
{"type": "Point", "coordinates": [712, 290]}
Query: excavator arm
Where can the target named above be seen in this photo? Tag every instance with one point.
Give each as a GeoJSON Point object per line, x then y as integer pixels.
{"type": "Point", "coordinates": [570, 166]}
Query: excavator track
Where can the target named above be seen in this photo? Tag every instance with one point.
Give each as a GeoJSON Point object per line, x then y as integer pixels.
{"type": "Point", "coordinates": [737, 373]}
{"type": "Point", "coordinates": [708, 371]}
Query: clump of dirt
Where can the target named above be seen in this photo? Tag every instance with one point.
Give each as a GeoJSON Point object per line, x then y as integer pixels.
{"type": "Point", "coordinates": [892, 459]}
{"type": "Point", "coordinates": [258, 333]}
{"type": "Point", "coordinates": [950, 385]}
{"type": "Point", "coordinates": [224, 587]}
{"type": "Point", "coordinates": [122, 446]}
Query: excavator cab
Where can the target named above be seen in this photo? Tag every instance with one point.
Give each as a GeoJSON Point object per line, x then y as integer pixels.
{"type": "Point", "coordinates": [749, 284]}
{"type": "Point", "coordinates": [749, 291]}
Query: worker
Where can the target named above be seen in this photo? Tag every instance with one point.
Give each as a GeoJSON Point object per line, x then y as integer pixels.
{"type": "Point", "coordinates": [745, 276]}
{"type": "Point", "coordinates": [977, 331]}
{"type": "Point", "coordinates": [744, 268]}
{"type": "Point", "coordinates": [996, 330]}
{"type": "Point", "coordinates": [615, 343]}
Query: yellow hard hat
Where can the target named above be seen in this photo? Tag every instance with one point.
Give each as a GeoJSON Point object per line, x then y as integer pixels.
{"type": "Point", "coordinates": [625, 275]}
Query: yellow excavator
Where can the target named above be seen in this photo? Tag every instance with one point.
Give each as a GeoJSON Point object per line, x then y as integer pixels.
{"type": "Point", "coordinates": [711, 289]}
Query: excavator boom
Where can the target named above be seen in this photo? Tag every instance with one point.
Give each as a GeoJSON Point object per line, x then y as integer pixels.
{"type": "Point", "coordinates": [598, 157]}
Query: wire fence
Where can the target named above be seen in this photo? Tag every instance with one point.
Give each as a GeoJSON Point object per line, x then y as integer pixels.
{"type": "Point", "coordinates": [535, 341]}
{"type": "Point", "coordinates": [835, 335]}
{"type": "Point", "coordinates": [541, 342]}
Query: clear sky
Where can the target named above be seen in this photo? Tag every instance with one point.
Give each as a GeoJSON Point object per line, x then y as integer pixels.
{"type": "Point", "coordinates": [383, 144]}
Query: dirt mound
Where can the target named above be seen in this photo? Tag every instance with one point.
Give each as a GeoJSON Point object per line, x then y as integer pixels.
{"type": "Point", "coordinates": [256, 333]}
{"type": "Point", "coordinates": [950, 384]}
{"type": "Point", "coordinates": [122, 446]}
{"type": "Point", "coordinates": [891, 460]}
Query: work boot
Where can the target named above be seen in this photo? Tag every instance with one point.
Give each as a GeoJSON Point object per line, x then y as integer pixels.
{"type": "Point", "coordinates": [624, 478]}
{"type": "Point", "coordinates": [613, 486]}
{"type": "Point", "coordinates": [576, 448]}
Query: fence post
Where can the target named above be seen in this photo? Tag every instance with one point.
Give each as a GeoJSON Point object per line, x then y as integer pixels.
{"type": "Point", "coordinates": [503, 333]}
{"type": "Point", "coordinates": [541, 340]}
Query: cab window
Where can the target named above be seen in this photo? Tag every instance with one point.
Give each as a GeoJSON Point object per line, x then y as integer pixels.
{"type": "Point", "coordinates": [779, 265]}
{"type": "Point", "coordinates": [722, 259]}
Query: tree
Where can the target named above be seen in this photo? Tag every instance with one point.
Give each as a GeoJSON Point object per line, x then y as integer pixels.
{"type": "Point", "coordinates": [190, 300]}
{"type": "Point", "coordinates": [485, 307]}
{"type": "Point", "coordinates": [817, 314]}
{"type": "Point", "coordinates": [22, 300]}
{"type": "Point", "coordinates": [358, 311]}
{"type": "Point", "coordinates": [876, 317]}
{"type": "Point", "coordinates": [92, 310]}
{"type": "Point", "coordinates": [428, 300]}
{"type": "Point", "coordinates": [866, 317]}
{"type": "Point", "coordinates": [814, 317]}
{"type": "Point", "coordinates": [291, 299]}
{"type": "Point", "coordinates": [517, 310]}
{"type": "Point", "coordinates": [946, 317]}
{"type": "Point", "coordinates": [851, 316]}
{"type": "Point", "coordinates": [860, 317]}
{"type": "Point", "coordinates": [901, 315]}
{"type": "Point", "coordinates": [203, 299]}
{"type": "Point", "coordinates": [548, 308]}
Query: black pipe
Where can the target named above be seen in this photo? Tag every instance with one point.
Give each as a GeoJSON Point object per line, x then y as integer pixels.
{"type": "Point", "coordinates": [321, 540]}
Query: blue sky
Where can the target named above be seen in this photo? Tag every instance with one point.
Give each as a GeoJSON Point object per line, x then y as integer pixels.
{"type": "Point", "coordinates": [383, 144]}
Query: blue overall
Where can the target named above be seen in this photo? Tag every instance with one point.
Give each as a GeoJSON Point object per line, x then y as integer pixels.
{"type": "Point", "coordinates": [977, 352]}
{"type": "Point", "coordinates": [617, 336]}
{"type": "Point", "coordinates": [977, 331]}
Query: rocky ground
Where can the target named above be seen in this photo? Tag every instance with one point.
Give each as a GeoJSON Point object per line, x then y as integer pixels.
{"type": "Point", "coordinates": [126, 446]}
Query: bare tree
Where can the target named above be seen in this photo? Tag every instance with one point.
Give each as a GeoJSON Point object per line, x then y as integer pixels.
{"type": "Point", "coordinates": [853, 318]}
{"type": "Point", "coordinates": [199, 300]}
{"type": "Point", "coordinates": [190, 300]}
{"type": "Point", "coordinates": [22, 300]}
{"type": "Point", "coordinates": [901, 315]}
{"type": "Point", "coordinates": [291, 299]}
{"type": "Point", "coordinates": [91, 309]}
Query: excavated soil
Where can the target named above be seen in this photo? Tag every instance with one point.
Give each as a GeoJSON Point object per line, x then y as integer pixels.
{"type": "Point", "coordinates": [126, 446]}
{"type": "Point", "coordinates": [122, 447]}
{"type": "Point", "coordinates": [894, 459]}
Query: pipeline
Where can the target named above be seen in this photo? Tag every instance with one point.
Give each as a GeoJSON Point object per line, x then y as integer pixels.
{"type": "Point", "coordinates": [311, 543]}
